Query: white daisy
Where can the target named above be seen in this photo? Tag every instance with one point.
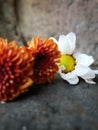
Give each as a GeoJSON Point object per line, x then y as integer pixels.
{"type": "Point", "coordinates": [74, 65]}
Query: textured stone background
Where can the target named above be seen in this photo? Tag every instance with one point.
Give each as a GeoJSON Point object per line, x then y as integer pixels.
{"type": "Point", "coordinates": [23, 19]}
{"type": "Point", "coordinates": [58, 106]}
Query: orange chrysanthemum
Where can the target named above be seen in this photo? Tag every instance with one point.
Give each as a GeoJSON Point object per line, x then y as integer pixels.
{"type": "Point", "coordinates": [15, 70]}
{"type": "Point", "coordinates": [47, 56]}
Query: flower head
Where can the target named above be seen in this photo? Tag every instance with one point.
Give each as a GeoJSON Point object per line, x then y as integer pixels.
{"type": "Point", "coordinates": [47, 56]}
{"type": "Point", "coordinates": [15, 70]}
{"type": "Point", "coordinates": [73, 64]}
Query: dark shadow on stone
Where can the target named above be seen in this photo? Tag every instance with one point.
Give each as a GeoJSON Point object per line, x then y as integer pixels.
{"type": "Point", "coordinates": [33, 91]}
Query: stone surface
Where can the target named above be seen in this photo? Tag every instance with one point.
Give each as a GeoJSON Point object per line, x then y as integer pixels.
{"type": "Point", "coordinates": [21, 20]}
{"type": "Point", "coordinates": [55, 17]}
{"type": "Point", "coordinates": [8, 21]}
{"type": "Point", "coordinates": [55, 106]}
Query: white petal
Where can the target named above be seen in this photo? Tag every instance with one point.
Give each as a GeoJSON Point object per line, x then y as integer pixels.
{"type": "Point", "coordinates": [54, 40]}
{"type": "Point", "coordinates": [67, 43]}
{"type": "Point", "coordinates": [90, 81]}
{"type": "Point", "coordinates": [85, 73]}
{"type": "Point", "coordinates": [83, 59]}
{"type": "Point", "coordinates": [95, 71]}
{"type": "Point", "coordinates": [73, 80]}
{"type": "Point", "coordinates": [69, 77]}
{"type": "Point", "coordinates": [89, 75]}
{"type": "Point", "coordinates": [72, 40]}
{"type": "Point", "coordinates": [80, 70]}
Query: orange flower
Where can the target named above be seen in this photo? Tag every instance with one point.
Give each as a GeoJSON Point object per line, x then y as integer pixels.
{"type": "Point", "coordinates": [15, 70]}
{"type": "Point", "coordinates": [47, 56]}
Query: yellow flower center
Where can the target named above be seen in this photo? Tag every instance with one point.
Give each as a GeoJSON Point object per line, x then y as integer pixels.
{"type": "Point", "coordinates": [68, 61]}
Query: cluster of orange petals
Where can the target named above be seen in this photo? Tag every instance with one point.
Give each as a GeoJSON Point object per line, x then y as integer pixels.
{"type": "Point", "coordinates": [15, 70]}
{"type": "Point", "coordinates": [20, 67]}
{"type": "Point", "coordinates": [46, 56]}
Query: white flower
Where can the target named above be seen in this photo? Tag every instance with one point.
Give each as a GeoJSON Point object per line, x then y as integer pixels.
{"type": "Point", "coordinates": [73, 65]}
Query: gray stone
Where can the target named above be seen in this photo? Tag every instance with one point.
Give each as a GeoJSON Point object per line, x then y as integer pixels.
{"type": "Point", "coordinates": [56, 17]}
{"type": "Point", "coordinates": [20, 20]}
{"type": "Point", "coordinates": [55, 106]}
